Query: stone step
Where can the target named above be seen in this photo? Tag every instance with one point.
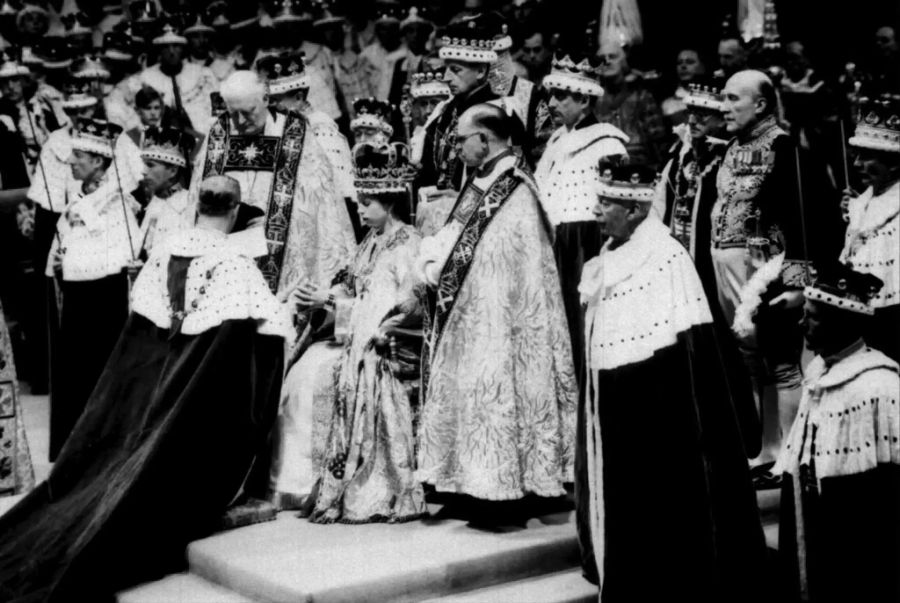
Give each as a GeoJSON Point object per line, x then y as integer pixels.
{"type": "Point", "coordinates": [559, 587]}
{"type": "Point", "coordinates": [445, 560]}
{"type": "Point", "coordinates": [291, 559]}
{"type": "Point", "coordinates": [180, 588]}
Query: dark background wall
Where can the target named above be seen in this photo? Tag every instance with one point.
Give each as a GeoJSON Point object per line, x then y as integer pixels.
{"type": "Point", "coordinates": [831, 35]}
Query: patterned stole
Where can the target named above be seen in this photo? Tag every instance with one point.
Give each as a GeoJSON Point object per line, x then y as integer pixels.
{"type": "Point", "coordinates": [440, 303]}
{"type": "Point", "coordinates": [280, 155]}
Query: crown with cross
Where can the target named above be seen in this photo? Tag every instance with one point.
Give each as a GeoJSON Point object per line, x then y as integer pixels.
{"type": "Point", "coordinates": [382, 168]}
{"type": "Point", "coordinates": [878, 124]}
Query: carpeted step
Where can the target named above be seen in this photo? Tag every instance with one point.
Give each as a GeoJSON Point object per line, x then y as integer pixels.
{"type": "Point", "coordinates": [291, 559]}
{"type": "Point", "coordinates": [559, 587]}
{"type": "Point", "coordinates": [180, 588]}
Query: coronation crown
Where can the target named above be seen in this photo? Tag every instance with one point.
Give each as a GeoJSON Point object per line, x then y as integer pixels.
{"type": "Point", "coordinates": [878, 124]}
{"type": "Point", "coordinates": [382, 167]}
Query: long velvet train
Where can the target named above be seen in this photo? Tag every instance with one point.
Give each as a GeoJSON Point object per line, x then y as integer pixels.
{"type": "Point", "coordinates": [164, 444]}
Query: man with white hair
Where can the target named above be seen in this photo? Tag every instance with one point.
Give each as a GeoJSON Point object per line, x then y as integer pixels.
{"type": "Point", "coordinates": [286, 174]}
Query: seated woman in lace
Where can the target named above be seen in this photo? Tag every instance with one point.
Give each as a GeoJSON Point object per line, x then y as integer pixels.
{"type": "Point", "coordinates": [345, 426]}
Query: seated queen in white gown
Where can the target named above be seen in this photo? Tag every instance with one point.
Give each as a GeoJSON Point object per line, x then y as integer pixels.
{"type": "Point", "coordinates": [344, 436]}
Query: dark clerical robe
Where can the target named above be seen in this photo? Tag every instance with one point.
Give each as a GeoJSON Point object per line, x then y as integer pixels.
{"type": "Point", "coordinates": [839, 534]}
{"type": "Point", "coordinates": [666, 510]}
{"type": "Point", "coordinates": [167, 437]}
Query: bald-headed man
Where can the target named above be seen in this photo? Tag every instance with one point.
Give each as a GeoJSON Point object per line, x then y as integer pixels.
{"type": "Point", "coordinates": [762, 248]}
{"type": "Point", "coordinates": [497, 364]}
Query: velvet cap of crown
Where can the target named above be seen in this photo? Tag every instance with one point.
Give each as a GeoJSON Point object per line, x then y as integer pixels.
{"type": "Point", "coordinates": [96, 136]}
{"type": "Point", "coordinates": [54, 52]}
{"type": "Point", "coordinates": [428, 84]}
{"type": "Point", "coordinates": [372, 113]}
{"type": "Point", "coordinates": [89, 67]}
{"type": "Point", "coordinates": [327, 14]}
{"type": "Point", "coordinates": [575, 72]}
{"type": "Point", "coordinates": [169, 35]}
{"type": "Point", "coordinates": [76, 95]}
{"type": "Point", "coordinates": [626, 182]}
{"type": "Point", "coordinates": [709, 98]}
{"type": "Point", "coordinates": [469, 41]}
{"type": "Point", "coordinates": [382, 168]}
{"type": "Point", "coordinates": [284, 72]}
{"type": "Point", "coordinates": [76, 24]}
{"type": "Point", "coordinates": [12, 67]}
{"type": "Point", "coordinates": [166, 145]}
{"type": "Point", "coordinates": [840, 286]}
{"type": "Point", "coordinates": [878, 124]}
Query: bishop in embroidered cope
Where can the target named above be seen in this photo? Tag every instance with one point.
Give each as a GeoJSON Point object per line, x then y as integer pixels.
{"type": "Point", "coordinates": [497, 364]}
{"type": "Point", "coordinates": [284, 172]}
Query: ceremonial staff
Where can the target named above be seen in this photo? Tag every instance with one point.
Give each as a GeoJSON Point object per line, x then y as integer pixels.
{"type": "Point", "coordinates": [57, 290]}
{"type": "Point", "coordinates": [40, 162]}
{"type": "Point", "coordinates": [844, 154]}
{"type": "Point", "coordinates": [802, 214]}
{"type": "Point", "coordinates": [131, 271]}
